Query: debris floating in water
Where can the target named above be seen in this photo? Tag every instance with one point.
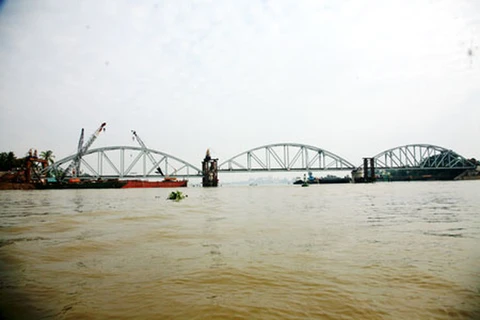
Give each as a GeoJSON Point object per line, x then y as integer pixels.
{"type": "Point", "coordinates": [176, 196]}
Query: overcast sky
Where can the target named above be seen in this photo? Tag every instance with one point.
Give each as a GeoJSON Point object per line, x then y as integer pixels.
{"type": "Point", "coordinates": [352, 77]}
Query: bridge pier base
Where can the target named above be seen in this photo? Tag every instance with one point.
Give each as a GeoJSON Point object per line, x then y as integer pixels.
{"type": "Point", "coordinates": [210, 171]}
{"type": "Point", "coordinates": [368, 172]}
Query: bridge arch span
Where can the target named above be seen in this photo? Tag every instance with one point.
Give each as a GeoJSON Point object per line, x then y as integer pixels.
{"type": "Point", "coordinates": [285, 157]}
{"type": "Point", "coordinates": [421, 156]}
{"type": "Point", "coordinates": [129, 161]}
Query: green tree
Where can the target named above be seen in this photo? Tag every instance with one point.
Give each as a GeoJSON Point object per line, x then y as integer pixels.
{"type": "Point", "coordinates": [3, 161]}
{"type": "Point", "coordinates": [47, 155]}
{"type": "Point", "coordinates": [11, 159]}
{"type": "Point", "coordinates": [8, 161]}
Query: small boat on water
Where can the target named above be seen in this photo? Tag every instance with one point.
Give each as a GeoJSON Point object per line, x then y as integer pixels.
{"type": "Point", "coordinates": [167, 182]}
{"type": "Point", "coordinates": [322, 180]}
{"type": "Point", "coordinates": [303, 182]}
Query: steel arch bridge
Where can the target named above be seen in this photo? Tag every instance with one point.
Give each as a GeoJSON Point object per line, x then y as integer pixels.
{"type": "Point", "coordinates": [128, 162]}
{"type": "Point", "coordinates": [420, 156]}
{"type": "Point", "coordinates": [285, 157]}
{"type": "Point", "coordinates": [131, 162]}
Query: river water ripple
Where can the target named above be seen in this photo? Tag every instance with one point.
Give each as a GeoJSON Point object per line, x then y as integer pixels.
{"type": "Point", "coordinates": [379, 251]}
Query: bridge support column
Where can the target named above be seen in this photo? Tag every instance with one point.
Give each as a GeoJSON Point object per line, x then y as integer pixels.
{"type": "Point", "coordinates": [365, 169]}
{"type": "Point", "coordinates": [368, 170]}
{"type": "Point", "coordinates": [210, 171]}
{"type": "Point", "coordinates": [372, 170]}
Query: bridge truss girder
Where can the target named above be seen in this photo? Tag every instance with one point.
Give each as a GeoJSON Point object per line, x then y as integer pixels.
{"type": "Point", "coordinates": [285, 157]}
{"type": "Point", "coordinates": [129, 162]}
{"type": "Point", "coordinates": [421, 156]}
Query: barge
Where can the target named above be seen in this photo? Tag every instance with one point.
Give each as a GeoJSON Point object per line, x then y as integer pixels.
{"type": "Point", "coordinates": [76, 183]}
{"type": "Point", "coordinates": [165, 183]}
{"type": "Point", "coordinates": [323, 180]}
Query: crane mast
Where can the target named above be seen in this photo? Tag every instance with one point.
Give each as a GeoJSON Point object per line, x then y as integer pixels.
{"type": "Point", "coordinates": [82, 150]}
{"type": "Point", "coordinates": [79, 149]}
{"type": "Point", "coordinates": [142, 144]}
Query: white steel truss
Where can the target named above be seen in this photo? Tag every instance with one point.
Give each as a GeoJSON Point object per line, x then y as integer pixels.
{"type": "Point", "coordinates": [421, 156]}
{"type": "Point", "coordinates": [127, 161]}
{"type": "Point", "coordinates": [285, 157]}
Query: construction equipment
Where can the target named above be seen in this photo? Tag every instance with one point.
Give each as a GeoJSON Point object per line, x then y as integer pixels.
{"type": "Point", "coordinates": [79, 150]}
{"type": "Point", "coordinates": [82, 149]}
{"type": "Point", "coordinates": [145, 150]}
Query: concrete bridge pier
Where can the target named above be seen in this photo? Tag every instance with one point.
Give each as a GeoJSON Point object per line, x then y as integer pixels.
{"type": "Point", "coordinates": [368, 171]}
{"type": "Point", "coordinates": [209, 171]}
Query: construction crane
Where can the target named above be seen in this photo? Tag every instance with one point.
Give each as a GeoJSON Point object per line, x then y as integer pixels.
{"type": "Point", "coordinates": [145, 149]}
{"type": "Point", "coordinates": [79, 150]}
{"type": "Point", "coordinates": [82, 149]}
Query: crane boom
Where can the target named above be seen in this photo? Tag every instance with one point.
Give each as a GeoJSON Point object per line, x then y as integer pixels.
{"type": "Point", "coordinates": [142, 144]}
{"type": "Point", "coordinates": [83, 149]}
{"type": "Point", "coordinates": [79, 149]}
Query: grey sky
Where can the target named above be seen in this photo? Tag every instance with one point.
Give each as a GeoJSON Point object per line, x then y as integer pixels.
{"type": "Point", "coordinates": [352, 77]}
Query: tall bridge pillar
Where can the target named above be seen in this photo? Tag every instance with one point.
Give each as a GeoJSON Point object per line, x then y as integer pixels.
{"type": "Point", "coordinates": [210, 171]}
{"type": "Point", "coordinates": [368, 169]}
{"type": "Point", "coordinates": [368, 174]}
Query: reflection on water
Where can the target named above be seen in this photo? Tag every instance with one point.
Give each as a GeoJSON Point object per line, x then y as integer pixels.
{"type": "Point", "coordinates": [387, 250]}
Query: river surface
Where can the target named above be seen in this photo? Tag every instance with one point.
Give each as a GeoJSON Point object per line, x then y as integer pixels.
{"type": "Point", "coordinates": [376, 251]}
